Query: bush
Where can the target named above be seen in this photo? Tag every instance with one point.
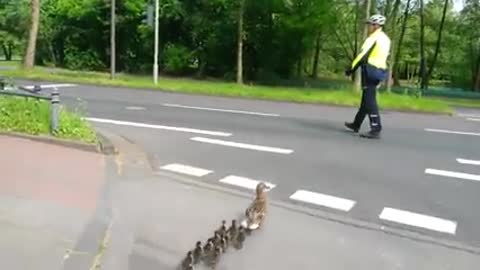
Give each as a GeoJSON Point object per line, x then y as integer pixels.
{"type": "Point", "coordinates": [177, 58]}
{"type": "Point", "coordinates": [82, 60]}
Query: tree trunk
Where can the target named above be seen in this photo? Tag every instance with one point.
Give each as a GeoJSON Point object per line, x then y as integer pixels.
{"type": "Point", "coordinates": [316, 57]}
{"type": "Point", "coordinates": [240, 43]}
{"type": "Point", "coordinates": [373, 7]}
{"type": "Point", "coordinates": [476, 86]}
{"type": "Point", "coordinates": [32, 39]}
{"type": "Point", "coordinates": [423, 73]}
{"type": "Point", "coordinates": [7, 52]}
{"type": "Point", "coordinates": [358, 79]}
{"type": "Point", "coordinates": [112, 41]}
{"type": "Point", "coordinates": [439, 40]}
{"type": "Point", "coordinates": [400, 40]}
{"type": "Point", "coordinates": [392, 27]}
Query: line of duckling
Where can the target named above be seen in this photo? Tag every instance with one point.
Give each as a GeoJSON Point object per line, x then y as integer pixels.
{"type": "Point", "coordinates": [235, 235]}
{"type": "Point", "coordinates": [210, 253]}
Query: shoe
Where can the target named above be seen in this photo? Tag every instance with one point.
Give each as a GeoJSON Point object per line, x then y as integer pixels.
{"type": "Point", "coordinates": [371, 135]}
{"type": "Point", "coordinates": [351, 127]}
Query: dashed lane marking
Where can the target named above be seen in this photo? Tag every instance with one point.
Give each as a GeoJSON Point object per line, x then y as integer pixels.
{"type": "Point", "coordinates": [243, 145]}
{"type": "Point", "coordinates": [418, 220]}
{"type": "Point", "coordinates": [468, 115]}
{"type": "Point", "coordinates": [144, 125]}
{"type": "Point", "coordinates": [460, 175]}
{"type": "Point", "coordinates": [52, 85]}
{"type": "Point", "coordinates": [452, 132]}
{"type": "Point", "coordinates": [135, 108]}
{"type": "Point", "coordinates": [221, 110]}
{"type": "Point", "coordinates": [185, 169]}
{"type": "Point", "coordinates": [244, 182]}
{"type": "Point", "coordinates": [468, 161]}
{"type": "Point", "coordinates": [323, 200]}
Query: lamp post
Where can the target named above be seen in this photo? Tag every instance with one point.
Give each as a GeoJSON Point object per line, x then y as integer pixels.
{"type": "Point", "coordinates": [112, 41]}
{"type": "Point", "coordinates": [155, 54]}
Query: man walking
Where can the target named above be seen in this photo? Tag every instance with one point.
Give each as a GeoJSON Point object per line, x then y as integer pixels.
{"type": "Point", "coordinates": [372, 60]}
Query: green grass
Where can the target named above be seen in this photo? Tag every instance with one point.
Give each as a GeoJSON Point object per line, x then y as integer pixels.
{"type": "Point", "coordinates": [344, 97]}
{"type": "Point", "coordinates": [9, 63]}
{"type": "Point", "coordinates": [32, 116]}
{"type": "Point", "coordinates": [472, 103]}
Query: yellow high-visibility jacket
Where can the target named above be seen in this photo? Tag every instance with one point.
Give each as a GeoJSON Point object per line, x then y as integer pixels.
{"type": "Point", "coordinates": [375, 49]}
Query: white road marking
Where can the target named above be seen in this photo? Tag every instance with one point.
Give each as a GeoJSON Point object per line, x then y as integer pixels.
{"type": "Point", "coordinates": [244, 182]}
{"type": "Point", "coordinates": [418, 220]}
{"type": "Point", "coordinates": [468, 115]}
{"type": "Point", "coordinates": [466, 176]}
{"type": "Point", "coordinates": [52, 85]}
{"type": "Point", "coordinates": [135, 108]}
{"type": "Point", "coordinates": [323, 200]}
{"type": "Point", "coordinates": [243, 145]}
{"type": "Point", "coordinates": [468, 161]}
{"type": "Point", "coordinates": [185, 169]}
{"type": "Point", "coordinates": [452, 132]}
{"type": "Point", "coordinates": [221, 110]}
{"type": "Point", "coordinates": [474, 119]}
{"type": "Point", "coordinates": [180, 129]}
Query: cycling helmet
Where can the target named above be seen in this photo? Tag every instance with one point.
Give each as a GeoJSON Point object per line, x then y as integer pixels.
{"type": "Point", "coordinates": [377, 19]}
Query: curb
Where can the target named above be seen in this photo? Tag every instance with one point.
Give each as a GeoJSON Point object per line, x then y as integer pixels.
{"type": "Point", "coordinates": [104, 145]}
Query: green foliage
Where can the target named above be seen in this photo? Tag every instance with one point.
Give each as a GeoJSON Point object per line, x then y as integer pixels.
{"type": "Point", "coordinates": [281, 37]}
{"type": "Point", "coordinates": [177, 58]}
{"type": "Point", "coordinates": [32, 116]}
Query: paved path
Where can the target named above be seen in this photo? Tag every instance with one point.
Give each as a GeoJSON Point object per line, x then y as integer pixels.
{"type": "Point", "coordinates": [48, 195]}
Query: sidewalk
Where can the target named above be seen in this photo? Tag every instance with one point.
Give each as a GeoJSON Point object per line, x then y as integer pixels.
{"type": "Point", "coordinates": [47, 196]}
{"type": "Point", "coordinates": [155, 220]}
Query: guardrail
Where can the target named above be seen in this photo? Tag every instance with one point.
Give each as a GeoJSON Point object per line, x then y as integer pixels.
{"type": "Point", "coordinates": [10, 89]}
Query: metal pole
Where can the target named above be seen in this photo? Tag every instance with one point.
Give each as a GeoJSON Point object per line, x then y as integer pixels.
{"type": "Point", "coordinates": [54, 109]}
{"type": "Point", "coordinates": [155, 54]}
{"type": "Point", "coordinates": [112, 41]}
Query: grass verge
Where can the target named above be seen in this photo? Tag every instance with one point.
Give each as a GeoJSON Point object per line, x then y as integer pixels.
{"type": "Point", "coordinates": [292, 94]}
{"type": "Point", "coordinates": [32, 116]}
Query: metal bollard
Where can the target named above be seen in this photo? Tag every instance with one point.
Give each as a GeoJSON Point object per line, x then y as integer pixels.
{"type": "Point", "coordinates": [55, 109]}
{"type": "Point", "coordinates": [37, 88]}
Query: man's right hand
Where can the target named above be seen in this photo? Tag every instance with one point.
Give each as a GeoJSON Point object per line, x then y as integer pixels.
{"type": "Point", "coordinates": [348, 72]}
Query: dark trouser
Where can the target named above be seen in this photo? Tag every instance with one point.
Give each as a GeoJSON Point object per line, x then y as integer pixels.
{"type": "Point", "coordinates": [371, 77]}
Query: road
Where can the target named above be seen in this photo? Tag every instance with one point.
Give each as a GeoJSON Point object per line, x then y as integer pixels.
{"type": "Point", "coordinates": [422, 176]}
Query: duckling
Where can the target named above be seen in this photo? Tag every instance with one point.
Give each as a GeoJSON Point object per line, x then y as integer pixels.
{"type": "Point", "coordinates": [188, 260]}
{"type": "Point", "coordinates": [256, 212]}
{"type": "Point", "coordinates": [233, 230]}
{"type": "Point", "coordinates": [208, 250]}
{"type": "Point", "coordinates": [238, 244]}
{"type": "Point", "coordinates": [224, 243]}
{"type": "Point", "coordinates": [197, 252]}
{"type": "Point", "coordinates": [217, 238]}
{"type": "Point", "coordinates": [223, 227]}
{"type": "Point", "coordinates": [209, 247]}
{"type": "Point", "coordinates": [216, 257]}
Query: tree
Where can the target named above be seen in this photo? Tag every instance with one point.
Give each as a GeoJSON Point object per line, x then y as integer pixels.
{"type": "Point", "coordinates": [423, 71]}
{"type": "Point", "coordinates": [367, 8]}
{"type": "Point", "coordinates": [32, 38]}
{"type": "Point", "coordinates": [240, 37]}
{"type": "Point", "coordinates": [437, 47]}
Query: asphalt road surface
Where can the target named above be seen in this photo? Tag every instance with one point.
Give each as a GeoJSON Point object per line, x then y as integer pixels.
{"type": "Point", "coordinates": [422, 176]}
